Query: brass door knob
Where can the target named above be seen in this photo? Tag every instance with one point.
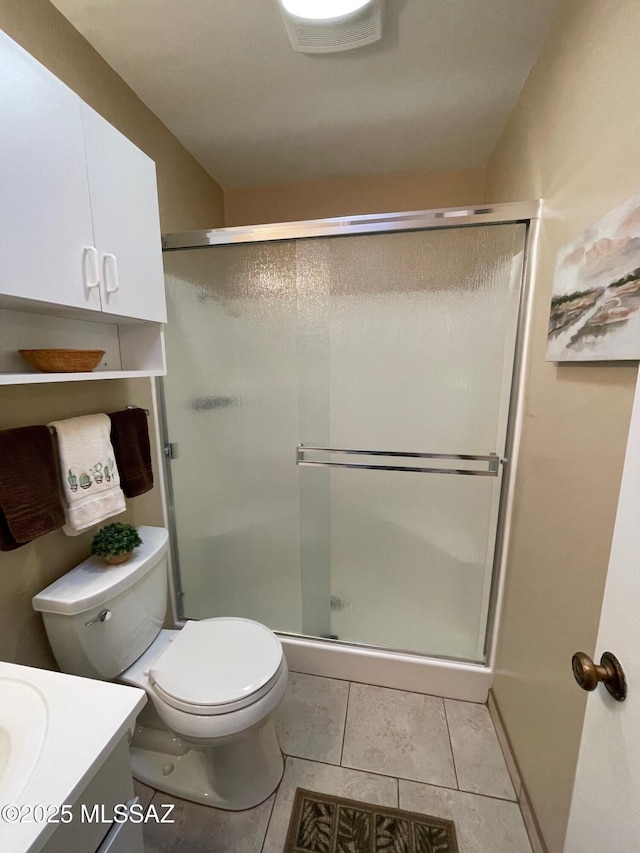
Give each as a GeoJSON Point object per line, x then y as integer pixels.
{"type": "Point", "coordinates": [589, 674]}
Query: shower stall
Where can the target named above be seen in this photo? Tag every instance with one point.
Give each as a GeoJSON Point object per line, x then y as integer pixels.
{"type": "Point", "coordinates": [339, 416]}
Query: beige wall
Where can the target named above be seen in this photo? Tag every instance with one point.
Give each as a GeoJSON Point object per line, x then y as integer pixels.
{"type": "Point", "coordinates": [353, 195]}
{"type": "Point", "coordinates": [188, 199]}
{"type": "Point", "coordinates": [573, 140]}
{"type": "Point", "coordinates": [32, 567]}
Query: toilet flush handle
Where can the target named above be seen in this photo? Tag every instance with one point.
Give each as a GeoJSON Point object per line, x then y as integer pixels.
{"type": "Point", "coordinates": [103, 616]}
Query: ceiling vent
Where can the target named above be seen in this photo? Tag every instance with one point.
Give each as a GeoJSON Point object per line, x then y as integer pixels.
{"type": "Point", "coordinates": [331, 36]}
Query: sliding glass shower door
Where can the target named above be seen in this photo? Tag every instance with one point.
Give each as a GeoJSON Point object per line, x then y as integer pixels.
{"type": "Point", "coordinates": [286, 362]}
{"type": "Point", "coordinates": [231, 400]}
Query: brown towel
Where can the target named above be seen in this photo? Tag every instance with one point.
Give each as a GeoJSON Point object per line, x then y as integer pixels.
{"type": "Point", "coordinates": [130, 439]}
{"type": "Point", "coordinates": [30, 503]}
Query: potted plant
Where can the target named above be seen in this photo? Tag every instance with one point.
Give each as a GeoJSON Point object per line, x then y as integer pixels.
{"type": "Point", "coordinates": [115, 542]}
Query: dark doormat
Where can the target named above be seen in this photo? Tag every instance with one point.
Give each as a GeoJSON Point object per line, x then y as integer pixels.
{"type": "Point", "coordinates": [324, 824]}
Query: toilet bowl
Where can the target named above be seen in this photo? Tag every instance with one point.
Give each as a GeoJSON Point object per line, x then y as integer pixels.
{"type": "Point", "coordinates": [223, 749]}
{"type": "Point", "coordinates": [207, 733]}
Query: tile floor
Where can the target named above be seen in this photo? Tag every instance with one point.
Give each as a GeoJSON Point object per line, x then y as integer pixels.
{"type": "Point", "coordinates": [414, 752]}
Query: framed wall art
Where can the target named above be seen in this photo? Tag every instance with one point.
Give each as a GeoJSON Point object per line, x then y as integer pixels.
{"type": "Point", "coordinates": [595, 306]}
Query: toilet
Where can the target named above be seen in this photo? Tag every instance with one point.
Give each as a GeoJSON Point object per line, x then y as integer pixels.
{"type": "Point", "coordinates": [208, 732]}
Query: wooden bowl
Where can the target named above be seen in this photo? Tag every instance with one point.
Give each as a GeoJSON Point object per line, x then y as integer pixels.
{"type": "Point", "coordinates": [62, 360]}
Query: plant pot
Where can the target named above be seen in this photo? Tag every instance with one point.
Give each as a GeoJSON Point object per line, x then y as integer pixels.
{"type": "Point", "coordinates": [117, 559]}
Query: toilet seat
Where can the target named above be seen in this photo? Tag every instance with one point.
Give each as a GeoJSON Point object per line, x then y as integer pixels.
{"type": "Point", "coordinates": [217, 666]}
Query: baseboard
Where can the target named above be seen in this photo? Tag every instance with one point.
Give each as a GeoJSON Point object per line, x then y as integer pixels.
{"type": "Point", "coordinates": [522, 795]}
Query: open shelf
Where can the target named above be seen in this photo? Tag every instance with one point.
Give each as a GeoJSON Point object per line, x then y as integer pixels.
{"type": "Point", "coordinates": [32, 378]}
{"type": "Point", "coordinates": [131, 349]}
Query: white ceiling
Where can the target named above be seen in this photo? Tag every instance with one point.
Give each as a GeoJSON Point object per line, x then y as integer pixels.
{"type": "Point", "coordinates": [434, 93]}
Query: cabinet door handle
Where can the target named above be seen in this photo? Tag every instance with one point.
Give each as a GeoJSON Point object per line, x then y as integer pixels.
{"type": "Point", "coordinates": [91, 252]}
{"type": "Point", "coordinates": [114, 263]}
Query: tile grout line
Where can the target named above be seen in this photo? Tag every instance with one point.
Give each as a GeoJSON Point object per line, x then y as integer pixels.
{"type": "Point", "coordinates": [506, 799]}
{"type": "Point", "coordinates": [374, 773]}
{"type": "Point", "coordinates": [315, 760]}
{"type": "Point", "coordinates": [533, 830]}
{"type": "Point", "coordinates": [396, 689]}
{"type": "Point", "coordinates": [155, 791]}
{"type": "Point", "coordinates": [360, 769]}
{"type": "Point", "coordinates": [344, 730]}
{"type": "Point", "coordinates": [453, 755]}
{"type": "Point", "coordinates": [261, 844]}
{"type": "Point", "coordinates": [273, 805]}
{"type": "Point", "coordinates": [313, 675]}
{"type": "Point", "coordinates": [404, 779]}
{"type": "Point", "coordinates": [491, 731]}
{"type": "Point", "coordinates": [502, 755]}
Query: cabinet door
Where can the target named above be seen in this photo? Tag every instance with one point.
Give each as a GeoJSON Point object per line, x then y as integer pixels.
{"type": "Point", "coordinates": [44, 198]}
{"type": "Point", "coordinates": [126, 221]}
{"type": "Point", "coordinates": [125, 837]}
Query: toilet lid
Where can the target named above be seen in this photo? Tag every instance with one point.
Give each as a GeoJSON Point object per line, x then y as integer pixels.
{"type": "Point", "coordinates": [217, 665]}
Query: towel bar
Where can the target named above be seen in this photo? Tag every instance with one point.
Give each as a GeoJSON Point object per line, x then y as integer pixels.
{"type": "Point", "coordinates": [491, 459]}
{"type": "Point", "coordinates": [146, 411]}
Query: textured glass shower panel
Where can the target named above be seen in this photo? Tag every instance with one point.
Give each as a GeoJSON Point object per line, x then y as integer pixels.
{"type": "Point", "coordinates": [420, 330]}
{"type": "Point", "coordinates": [409, 560]}
{"type": "Point", "coordinates": [231, 402]}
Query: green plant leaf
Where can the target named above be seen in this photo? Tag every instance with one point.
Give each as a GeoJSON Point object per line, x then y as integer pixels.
{"type": "Point", "coordinates": [114, 539]}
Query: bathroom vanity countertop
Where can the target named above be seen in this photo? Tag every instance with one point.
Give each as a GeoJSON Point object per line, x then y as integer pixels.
{"type": "Point", "coordinates": [85, 719]}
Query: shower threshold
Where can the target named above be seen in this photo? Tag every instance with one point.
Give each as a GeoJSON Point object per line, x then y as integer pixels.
{"type": "Point", "coordinates": [451, 679]}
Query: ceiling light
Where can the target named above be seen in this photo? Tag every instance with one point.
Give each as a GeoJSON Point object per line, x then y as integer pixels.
{"type": "Point", "coordinates": [337, 25]}
{"type": "Point", "coordinates": [323, 10]}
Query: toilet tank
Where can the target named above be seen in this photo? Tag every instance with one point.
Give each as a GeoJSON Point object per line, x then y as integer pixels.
{"type": "Point", "coordinates": [134, 595]}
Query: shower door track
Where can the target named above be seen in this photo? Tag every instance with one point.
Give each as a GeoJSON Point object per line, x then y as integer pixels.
{"type": "Point", "coordinates": [342, 226]}
{"type": "Point", "coordinates": [307, 652]}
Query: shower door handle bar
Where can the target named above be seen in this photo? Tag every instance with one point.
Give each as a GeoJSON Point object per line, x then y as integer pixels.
{"type": "Point", "coordinates": [492, 459]}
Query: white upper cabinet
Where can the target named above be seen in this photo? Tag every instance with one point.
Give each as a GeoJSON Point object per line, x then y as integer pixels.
{"type": "Point", "coordinates": [78, 201]}
{"type": "Point", "coordinates": [44, 197]}
{"type": "Point", "coordinates": [126, 222]}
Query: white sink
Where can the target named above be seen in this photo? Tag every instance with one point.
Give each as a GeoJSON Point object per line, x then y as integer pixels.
{"type": "Point", "coordinates": [23, 728]}
{"type": "Point", "coordinates": [56, 730]}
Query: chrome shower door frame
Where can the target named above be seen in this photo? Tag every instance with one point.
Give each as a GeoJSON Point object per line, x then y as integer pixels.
{"type": "Point", "coordinates": [526, 213]}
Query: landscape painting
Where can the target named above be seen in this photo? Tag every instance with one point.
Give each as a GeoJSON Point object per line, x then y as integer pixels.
{"type": "Point", "coordinates": [595, 307]}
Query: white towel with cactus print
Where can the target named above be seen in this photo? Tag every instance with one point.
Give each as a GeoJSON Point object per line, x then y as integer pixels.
{"type": "Point", "coordinates": [89, 475]}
